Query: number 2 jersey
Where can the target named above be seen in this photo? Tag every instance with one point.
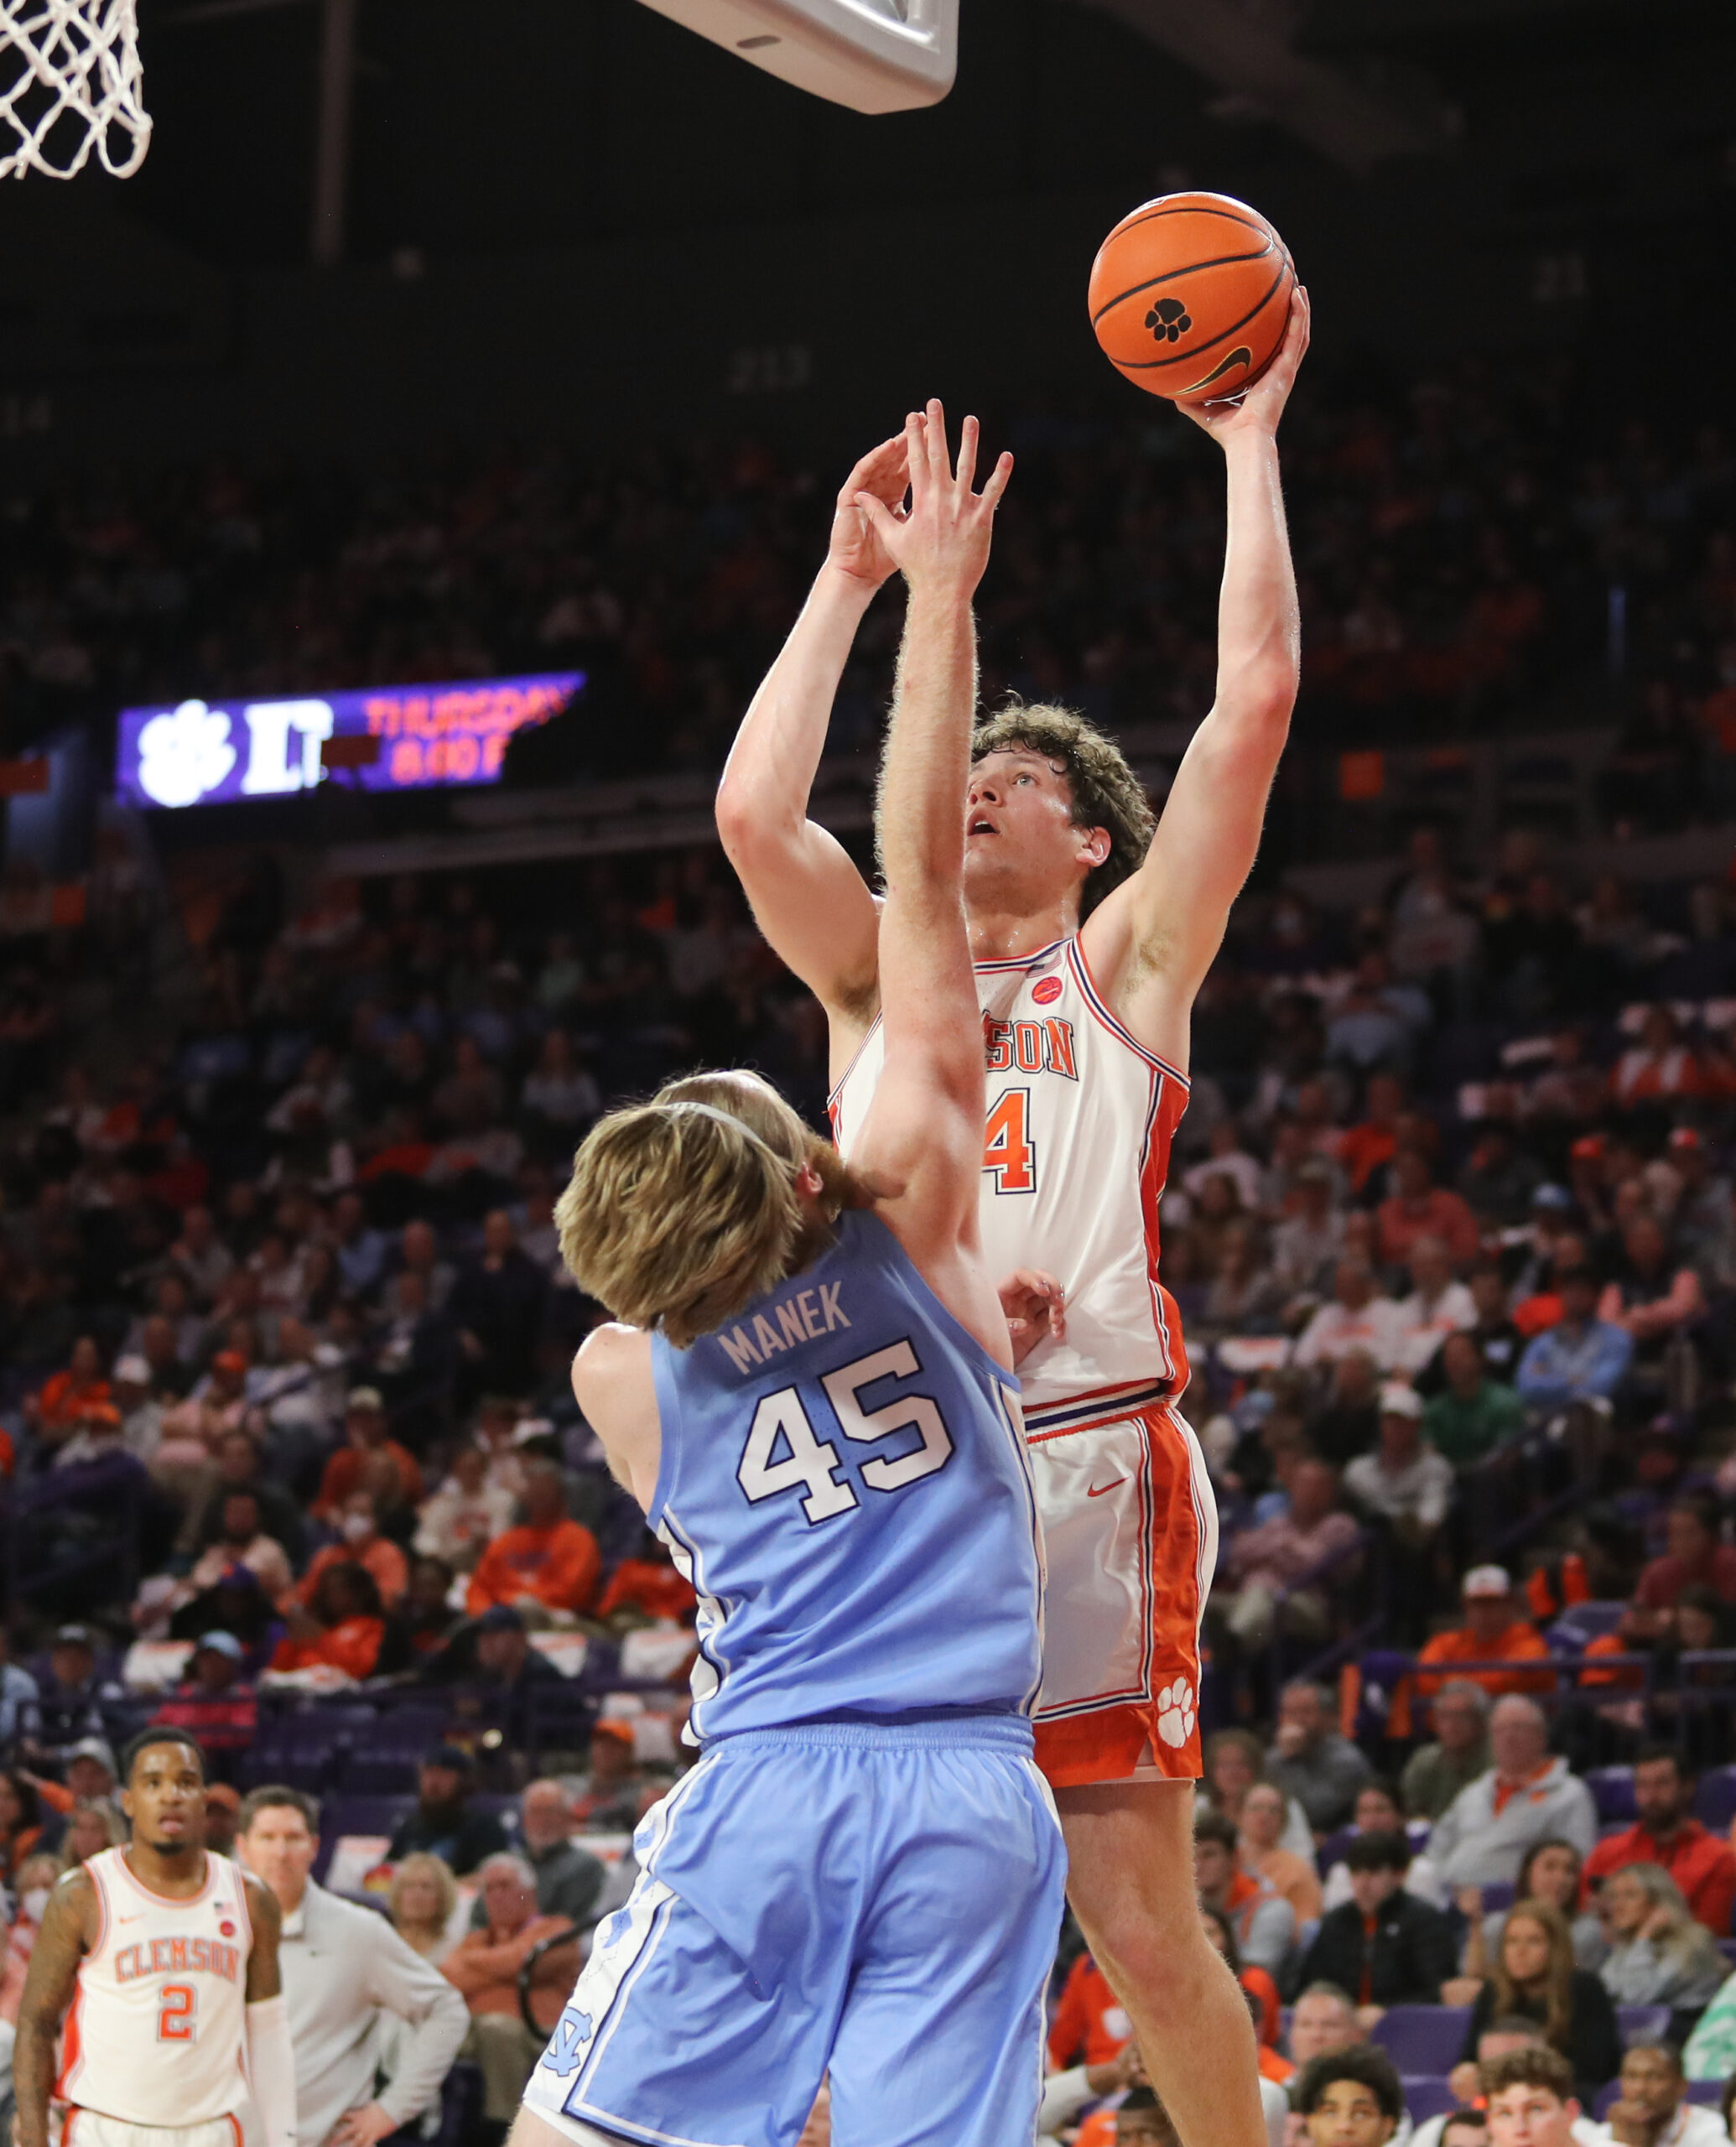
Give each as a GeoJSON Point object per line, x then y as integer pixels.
{"type": "Point", "coordinates": [1081, 1117]}
{"type": "Point", "coordinates": [157, 2033]}
{"type": "Point", "coordinates": [844, 1482]}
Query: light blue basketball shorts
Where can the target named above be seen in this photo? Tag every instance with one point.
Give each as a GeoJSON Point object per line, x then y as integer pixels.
{"type": "Point", "coordinates": [881, 1903]}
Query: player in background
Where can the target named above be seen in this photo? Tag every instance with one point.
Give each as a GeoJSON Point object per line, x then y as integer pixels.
{"type": "Point", "coordinates": [1092, 936]}
{"type": "Point", "coordinates": [178, 2035]}
{"type": "Point", "coordinates": [814, 1403]}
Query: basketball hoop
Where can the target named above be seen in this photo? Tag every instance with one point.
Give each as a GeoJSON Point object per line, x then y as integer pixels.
{"type": "Point", "coordinates": [873, 55]}
{"type": "Point", "coordinates": [70, 82]}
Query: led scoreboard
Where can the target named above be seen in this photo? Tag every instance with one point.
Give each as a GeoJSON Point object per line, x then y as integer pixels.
{"type": "Point", "coordinates": [197, 753]}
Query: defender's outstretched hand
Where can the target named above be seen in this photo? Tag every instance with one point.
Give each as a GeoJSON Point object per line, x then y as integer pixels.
{"type": "Point", "coordinates": [855, 548]}
{"type": "Point", "coordinates": [1259, 410]}
{"type": "Point", "coordinates": [1035, 1308]}
{"type": "Point", "coordinates": [942, 540]}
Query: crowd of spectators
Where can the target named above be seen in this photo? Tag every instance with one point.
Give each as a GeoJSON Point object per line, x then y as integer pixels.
{"type": "Point", "coordinates": [1458, 536]}
{"type": "Point", "coordinates": [284, 1414]}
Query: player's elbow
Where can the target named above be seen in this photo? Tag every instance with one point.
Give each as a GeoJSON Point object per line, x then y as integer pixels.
{"type": "Point", "coordinates": [1261, 693]}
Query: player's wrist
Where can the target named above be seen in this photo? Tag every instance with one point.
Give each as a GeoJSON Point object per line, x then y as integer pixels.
{"type": "Point", "coordinates": [1253, 440]}
{"type": "Point", "coordinates": [843, 586]}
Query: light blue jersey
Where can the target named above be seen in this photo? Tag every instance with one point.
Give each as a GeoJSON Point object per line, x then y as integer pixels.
{"type": "Point", "coordinates": [844, 1480]}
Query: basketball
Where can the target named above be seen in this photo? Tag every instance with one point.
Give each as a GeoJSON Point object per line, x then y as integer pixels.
{"type": "Point", "coordinates": [1190, 296]}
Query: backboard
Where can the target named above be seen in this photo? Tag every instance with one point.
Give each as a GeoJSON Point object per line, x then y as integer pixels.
{"type": "Point", "coordinates": [873, 55]}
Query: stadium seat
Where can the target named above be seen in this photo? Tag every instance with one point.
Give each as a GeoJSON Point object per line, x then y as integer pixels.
{"type": "Point", "coordinates": [1497, 1897]}
{"type": "Point", "coordinates": [1715, 1800]}
{"type": "Point", "coordinates": [1705, 2094]}
{"type": "Point", "coordinates": [343, 1815]}
{"type": "Point", "coordinates": [1643, 2024]}
{"type": "Point", "coordinates": [1583, 1622]}
{"type": "Point", "coordinates": [1612, 1790]}
{"type": "Point", "coordinates": [1427, 2095]}
{"type": "Point", "coordinates": [1423, 2039]}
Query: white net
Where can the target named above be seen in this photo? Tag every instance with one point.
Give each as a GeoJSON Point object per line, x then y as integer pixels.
{"type": "Point", "coordinates": [70, 82]}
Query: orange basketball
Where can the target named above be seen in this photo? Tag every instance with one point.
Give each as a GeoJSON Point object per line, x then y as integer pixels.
{"type": "Point", "coordinates": [1190, 296]}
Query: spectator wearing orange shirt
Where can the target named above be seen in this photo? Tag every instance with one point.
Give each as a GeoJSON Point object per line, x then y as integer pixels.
{"type": "Point", "coordinates": [548, 1562]}
{"type": "Point", "coordinates": [1364, 1148]}
{"type": "Point", "coordinates": [346, 1471]}
{"type": "Point", "coordinates": [1090, 2026]}
{"type": "Point", "coordinates": [1666, 1832]}
{"type": "Point", "coordinates": [486, 1965]}
{"type": "Point", "coordinates": [648, 1585]}
{"type": "Point", "coordinates": [61, 1398]}
{"type": "Point", "coordinates": [341, 1629]}
{"type": "Point", "coordinates": [1493, 1632]}
{"type": "Point", "coordinates": [1418, 1207]}
{"type": "Point", "coordinates": [361, 1544]}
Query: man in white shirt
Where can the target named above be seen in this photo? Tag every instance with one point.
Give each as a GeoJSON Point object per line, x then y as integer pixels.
{"type": "Point", "coordinates": [1653, 2109]}
{"type": "Point", "coordinates": [1404, 1481]}
{"type": "Point", "coordinates": [1357, 1317]}
{"type": "Point", "coordinates": [343, 1966]}
{"type": "Point", "coordinates": [1437, 1307]}
{"type": "Point", "coordinates": [1526, 1797]}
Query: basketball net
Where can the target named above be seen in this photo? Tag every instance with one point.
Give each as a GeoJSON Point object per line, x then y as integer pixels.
{"type": "Point", "coordinates": [70, 82]}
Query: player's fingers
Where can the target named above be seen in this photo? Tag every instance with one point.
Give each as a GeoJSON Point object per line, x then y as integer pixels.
{"type": "Point", "coordinates": [997, 484]}
{"type": "Point", "coordinates": [940, 467]}
{"type": "Point", "coordinates": [885, 522]}
{"type": "Point", "coordinates": [870, 466]}
{"type": "Point", "coordinates": [915, 447]}
{"type": "Point", "coordinates": [967, 453]}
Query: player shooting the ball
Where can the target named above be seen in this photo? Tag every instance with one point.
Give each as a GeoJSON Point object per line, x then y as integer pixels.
{"type": "Point", "coordinates": [811, 1394]}
{"type": "Point", "coordinates": [1092, 933]}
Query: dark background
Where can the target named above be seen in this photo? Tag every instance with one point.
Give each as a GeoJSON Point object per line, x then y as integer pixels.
{"type": "Point", "coordinates": [570, 217]}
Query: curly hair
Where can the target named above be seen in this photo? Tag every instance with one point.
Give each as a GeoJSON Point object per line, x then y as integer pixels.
{"type": "Point", "coordinates": [1106, 793]}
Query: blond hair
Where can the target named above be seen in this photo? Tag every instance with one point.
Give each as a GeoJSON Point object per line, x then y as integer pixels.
{"type": "Point", "coordinates": [1106, 793]}
{"type": "Point", "coordinates": [420, 1864]}
{"type": "Point", "coordinates": [683, 1210]}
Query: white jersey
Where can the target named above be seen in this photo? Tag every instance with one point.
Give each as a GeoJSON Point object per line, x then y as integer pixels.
{"type": "Point", "coordinates": [1080, 1121]}
{"type": "Point", "coordinates": [157, 2033]}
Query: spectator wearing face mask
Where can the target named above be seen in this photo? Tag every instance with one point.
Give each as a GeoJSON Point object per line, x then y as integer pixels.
{"type": "Point", "coordinates": [360, 1543]}
{"type": "Point", "coordinates": [34, 1880]}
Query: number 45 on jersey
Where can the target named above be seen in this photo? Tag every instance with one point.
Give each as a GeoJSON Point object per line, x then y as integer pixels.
{"type": "Point", "coordinates": [811, 1463]}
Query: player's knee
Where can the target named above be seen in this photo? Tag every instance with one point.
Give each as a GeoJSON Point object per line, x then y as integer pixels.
{"type": "Point", "coordinates": [1162, 1953]}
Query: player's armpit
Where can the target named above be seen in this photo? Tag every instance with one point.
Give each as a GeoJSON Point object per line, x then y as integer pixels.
{"type": "Point", "coordinates": [263, 1979]}
{"type": "Point", "coordinates": [68, 1930]}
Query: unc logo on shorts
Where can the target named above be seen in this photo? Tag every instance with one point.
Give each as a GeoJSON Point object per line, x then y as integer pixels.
{"type": "Point", "coordinates": [569, 2043]}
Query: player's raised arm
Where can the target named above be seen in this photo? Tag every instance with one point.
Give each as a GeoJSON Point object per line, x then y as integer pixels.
{"type": "Point", "coordinates": [1153, 939]}
{"type": "Point", "coordinates": [60, 1945]}
{"type": "Point", "coordinates": [923, 1134]}
{"type": "Point", "coordinates": [809, 899]}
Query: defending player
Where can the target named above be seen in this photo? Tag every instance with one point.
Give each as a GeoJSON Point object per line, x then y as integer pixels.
{"type": "Point", "coordinates": [1092, 935]}
{"type": "Point", "coordinates": [178, 2035]}
{"type": "Point", "coordinates": [814, 1405]}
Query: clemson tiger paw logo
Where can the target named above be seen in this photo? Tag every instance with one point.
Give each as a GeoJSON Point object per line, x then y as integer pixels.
{"type": "Point", "coordinates": [1175, 1713]}
{"type": "Point", "coordinates": [1168, 320]}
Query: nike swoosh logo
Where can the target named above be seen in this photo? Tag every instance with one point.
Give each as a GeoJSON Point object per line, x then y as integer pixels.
{"type": "Point", "coordinates": [1097, 1490]}
{"type": "Point", "coordinates": [1241, 356]}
